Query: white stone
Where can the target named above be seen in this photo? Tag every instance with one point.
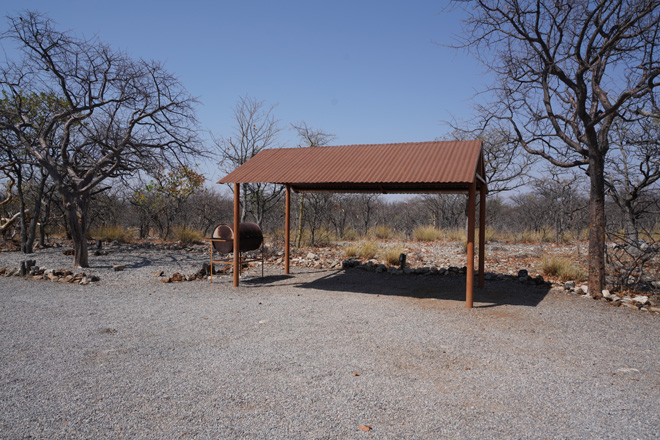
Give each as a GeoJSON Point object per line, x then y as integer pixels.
{"type": "Point", "coordinates": [606, 293]}
{"type": "Point", "coordinates": [312, 256]}
{"type": "Point", "coordinates": [641, 299]}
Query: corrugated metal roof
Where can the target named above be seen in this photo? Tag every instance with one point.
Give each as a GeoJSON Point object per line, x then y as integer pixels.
{"type": "Point", "coordinates": [350, 167]}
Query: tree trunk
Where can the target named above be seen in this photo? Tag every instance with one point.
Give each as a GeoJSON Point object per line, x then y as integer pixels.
{"type": "Point", "coordinates": [597, 279]}
{"type": "Point", "coordinates": [76, 213]}
{"type": "Point", "coordinates": [244, 202]}
{"type": "Point", "coordinates": [36, 215]}
{"type": "Point", "coordinates": [44, 220]}
{"type": "Point", "coordinates": [23, 214]}
{"type": "Point", "coordinates": [300, 220]}
{"type": "Point", "coordinates": [32, 227]}
{"type": "Point", "coordinates": [631, 224]}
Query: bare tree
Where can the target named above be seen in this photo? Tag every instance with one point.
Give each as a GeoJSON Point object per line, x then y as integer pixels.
{"type": "Point", "coordinates": [506, 168]}
{"type": "Point", "coordinates": [445, 210]}
{"type": "Point", "coordinates": [209, 208]}
{"type": "Point", "coordinates": [559, 194]}
{"type": "Point", "coordinates": [366, 205]}
{"type": "Point", "coordinates": [113, 115]}
{"type": "Point", "coordinates": [566, 71]}
{"type": "Point", "coordinates": [256, 129]}
{"type": "Point", "coordinates": [633, 170]}
{"type": "Point", "coordinates": [310, 137]}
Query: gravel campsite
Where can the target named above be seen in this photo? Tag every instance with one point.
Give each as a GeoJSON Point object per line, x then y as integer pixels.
{"type": "Point", "coordinates": [322, 353]}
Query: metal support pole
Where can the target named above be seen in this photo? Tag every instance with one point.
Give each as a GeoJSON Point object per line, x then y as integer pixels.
{"type": "Point", "coordinates": [482, 234]}
{"type": "Point", "coordinates": [237, 235]}
{"type": "Point", "coordinates": [469, 276]}
{"type": "Point", "coordinates": [287, 229]}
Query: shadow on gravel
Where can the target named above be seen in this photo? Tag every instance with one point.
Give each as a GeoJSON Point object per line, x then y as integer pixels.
{"type": "Point", "coordinates": [494, 293]}
{"type": "Point", "coordinates": [268, 279]}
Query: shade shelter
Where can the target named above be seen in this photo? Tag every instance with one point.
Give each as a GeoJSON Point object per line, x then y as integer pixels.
{"type": "Point", "coordinates": [406, 168]}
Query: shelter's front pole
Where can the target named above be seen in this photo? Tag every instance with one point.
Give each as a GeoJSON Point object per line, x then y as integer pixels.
{"type": "Point", "coordinates": [237, 235]}
{"type": "Point", "coordinates": [469, 276]}
{"type": "Point", "coordinates": [287, 229]}
{"type": "Point", "coordinates": [482, 233]}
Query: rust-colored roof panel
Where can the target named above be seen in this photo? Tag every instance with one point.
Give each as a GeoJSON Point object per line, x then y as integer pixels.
{"type": "Point", "coordinates": [440, 162]}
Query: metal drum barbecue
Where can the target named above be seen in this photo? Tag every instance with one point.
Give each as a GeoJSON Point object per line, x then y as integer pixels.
{"type": "Point", "coordinates": [249, 233]}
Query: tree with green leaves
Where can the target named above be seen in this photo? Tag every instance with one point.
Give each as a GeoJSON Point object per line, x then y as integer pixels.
{"type": "Point", "coordinates": [112, 115]}
{"type": "Point", "coordinates": [161, 200]}
{"type": "Point", "coordinates": [33, 190]}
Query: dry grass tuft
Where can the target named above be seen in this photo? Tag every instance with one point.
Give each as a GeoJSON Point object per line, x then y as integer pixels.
{"type": "Point", "coordinates": [381, 232]}
{"type": "Point", "coordinates": [350, 234]}
{"type": "Point", "coordinates": [368, 250]}
{"type": "Point", "coordinates": [187, 235]}
{"type": "Point", "coordinates": [455, 234]}
{"type": "Point", "coordinates": [323, 237]}
{"type": "Point", "coordinates": [427, 233]}
{"type": "Point", "coordinates": [112, 233]}
{"type": "Point", "coordinates": [563, 269]}
{"type": "Point", "coordinates": [391, 255]}
{"type": "Point", "coordinates": [365, 249]}
{"type": "Point", "coordinates": [351, 251]}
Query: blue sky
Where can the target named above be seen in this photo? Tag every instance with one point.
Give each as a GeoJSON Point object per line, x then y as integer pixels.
{"type": "Point", "coordinates": [366, 71]}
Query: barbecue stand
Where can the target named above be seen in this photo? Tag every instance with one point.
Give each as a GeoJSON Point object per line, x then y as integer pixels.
{"type": "Point", "coordinates": [222, 242]}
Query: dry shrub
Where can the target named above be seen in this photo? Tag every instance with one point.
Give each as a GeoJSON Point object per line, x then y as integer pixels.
{"type": "Point", "coordinates": [563, 269]}
{"type": "Point", "coordinates": [491, 234]}
{"type": "Point", "coordinates": [277, 235]}
{"type": "Point", "coordinates": [323, 237]}
{"type": "Point", "coordinates": [58, 231]}
{"type": "Point", "coordinates": [382, 232]}
{"type": "Point", "coordinates": [350, 234]}
{"type": "Point", "coordinates": [391, 255]}
{"type": "Point", "coordinates": [365, 249]}
{"type": "Point", "coordinates": [427, 233]}
{"type": "Point", "coordinates": [455, 234]}
{"type": "Point", "coordinates": [351, 251]}
{"type": "Point", "coordinates": [505, 236]}
{"type": "Point", "coordinates": [187, 235]}
{"type": "Point", "coordinates": [545, 236]}
{"type": "Point", "coordinates": [528, 236]}
{"type": "Point", "coordinates": [111, 233]}
{"type": "Point", "coordinates": [652, 235]}
{"type": "Point", "coordinates": [368, 250]}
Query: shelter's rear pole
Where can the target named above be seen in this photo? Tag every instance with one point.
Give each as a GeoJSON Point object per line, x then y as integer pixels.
{"type": "Point", "coordinates": [469, 276]}
{"type": "Point", "coordinates": [482, 233]}
{"type": "Point", "coordinates": [287, 229]}
{"type": "Point", "coordinates": [237, 235]}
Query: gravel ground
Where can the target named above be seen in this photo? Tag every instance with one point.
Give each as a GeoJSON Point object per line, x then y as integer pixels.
{"type": "Point", "coordinates": [315, 355]}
